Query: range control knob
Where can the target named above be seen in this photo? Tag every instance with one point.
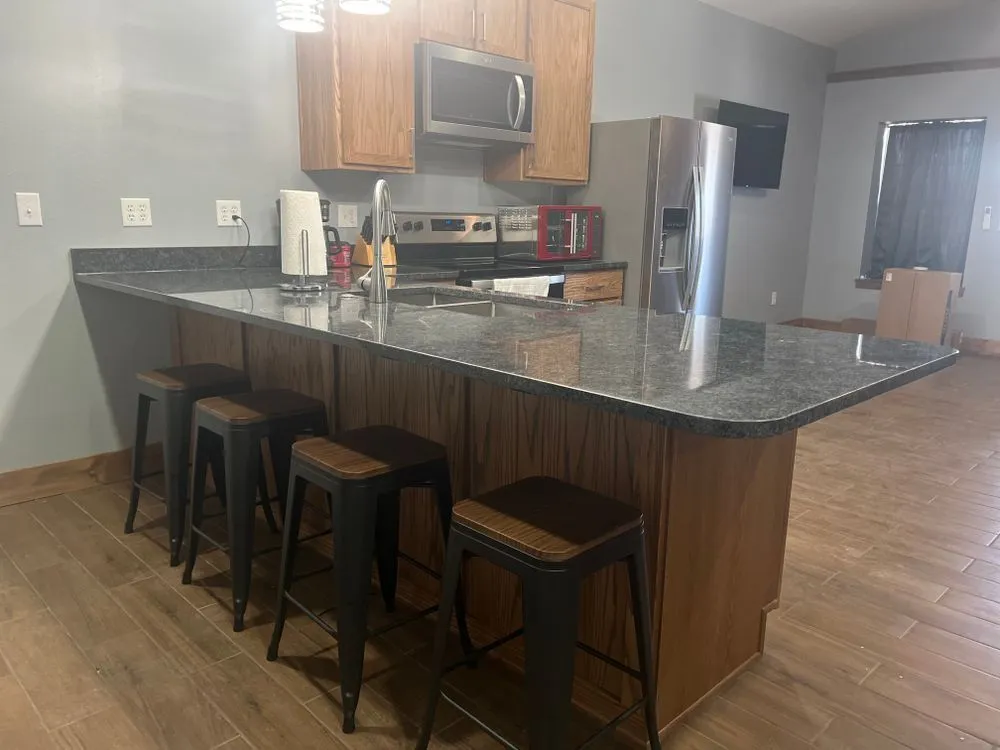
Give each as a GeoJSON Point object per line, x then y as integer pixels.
{"type": "Point", "coordinates": [487, 226]}
{"type": "Point", "coordinates": [407, 226]}
{"type": "Point", "coordinates": [418, 226]}
{"type": "Point", "coordinates": [477, 227]}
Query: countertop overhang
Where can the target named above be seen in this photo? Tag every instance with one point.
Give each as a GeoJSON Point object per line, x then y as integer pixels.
{"type": "Point", "coordinates": [713, 376]}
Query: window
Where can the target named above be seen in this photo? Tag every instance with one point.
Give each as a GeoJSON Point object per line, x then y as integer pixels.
{"type": "Point", "coordinates": [923, 195]}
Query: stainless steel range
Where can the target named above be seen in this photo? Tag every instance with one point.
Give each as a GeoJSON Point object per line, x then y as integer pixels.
{"type": "Point", "coordinates": [466, 243]}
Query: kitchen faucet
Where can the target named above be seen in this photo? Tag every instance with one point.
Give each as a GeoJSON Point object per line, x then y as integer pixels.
{"type": "Point", "coordinates": [383, 223]}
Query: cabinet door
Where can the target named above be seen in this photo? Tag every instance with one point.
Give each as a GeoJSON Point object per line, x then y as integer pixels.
{"type": "Point", "coordinates": [376, 74]}
{"type": "Point", "coordinates": [562, 48]}
{"type": "Point", "coordinates": [448, 21]}
{"type": "Point", "coordinates": [503, 27]}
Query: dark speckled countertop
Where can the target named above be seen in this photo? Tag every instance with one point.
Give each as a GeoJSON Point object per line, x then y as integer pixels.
{"type": "Point", "coordinates": [732, 378]}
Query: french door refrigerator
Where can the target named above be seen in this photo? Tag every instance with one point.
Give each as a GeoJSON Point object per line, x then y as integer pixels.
{"type": "Point", "coordinates": [665, 185]}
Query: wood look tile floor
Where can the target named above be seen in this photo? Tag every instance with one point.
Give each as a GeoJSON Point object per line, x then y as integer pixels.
{"type": "Point", "coordinates": [888, 634]}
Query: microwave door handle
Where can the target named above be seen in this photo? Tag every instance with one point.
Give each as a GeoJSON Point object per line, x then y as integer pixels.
{"type": "Point", "coordinates": [511, 116]}
{"type": "Point", "coordinates": [522, 102]}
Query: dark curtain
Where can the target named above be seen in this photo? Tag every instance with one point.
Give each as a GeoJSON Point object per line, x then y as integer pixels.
{"type": "Point", "coordinates": [928, 196]}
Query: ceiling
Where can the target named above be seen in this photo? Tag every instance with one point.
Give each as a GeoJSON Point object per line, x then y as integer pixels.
{"type": "Point", "coordinates": [830, 22]}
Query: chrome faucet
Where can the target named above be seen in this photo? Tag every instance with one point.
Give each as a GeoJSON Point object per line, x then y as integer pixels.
{"type": "Point", "coordinates": [383, 223]}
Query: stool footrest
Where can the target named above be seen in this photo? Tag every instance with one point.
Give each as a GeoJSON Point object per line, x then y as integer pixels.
{"type": "Point", "coordinates": [404, 621]}
{"type": "Point", "coordinates": [483, 650]}
{"type": "Point", "coordinates": [317, 617]}
{"type": "Point", "coordinates": [420, 566]}
{"type": "Point", "coordinates": [619, 719]}
{"type": "Point", "coordinates": [479, 722]}
{"type": "Point", "coordinates": [225, 547]}
{"type": "Point", "coordinates": [310, 574]}
{"type": "Point", "coordinates": [635, 673]}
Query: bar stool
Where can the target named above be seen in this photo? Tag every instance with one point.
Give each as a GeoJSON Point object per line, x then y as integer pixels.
{"type": "Point", "coordinates": [363, 471]}
{"type": "Point", "coordinates": [241, 422]}
{"type": "Point", "coordinates": [176, 389]}
{"type": "Point", "coordinates": [552, 535]}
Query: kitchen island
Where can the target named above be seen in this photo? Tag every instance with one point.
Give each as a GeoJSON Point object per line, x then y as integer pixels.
{"type": "Point", "coordinates": [692, 421]}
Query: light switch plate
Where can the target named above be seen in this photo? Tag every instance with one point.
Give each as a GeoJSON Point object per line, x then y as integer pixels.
{"type": "Point", "coordinates": [29, 209]}
{"type": "Point", "coordinates": [137, 212]}
{"type": "Point", "coordinates": [347, 215]}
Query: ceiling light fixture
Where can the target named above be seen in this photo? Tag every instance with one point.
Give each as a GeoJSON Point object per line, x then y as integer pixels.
{"type": "Point", "coordinates": [366, 7]}
{"type": "Point", "coordinates": [303, 16]}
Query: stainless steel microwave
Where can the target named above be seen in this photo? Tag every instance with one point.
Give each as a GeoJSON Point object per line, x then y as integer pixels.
{"type": "Point", "coordinates": [473, 98]}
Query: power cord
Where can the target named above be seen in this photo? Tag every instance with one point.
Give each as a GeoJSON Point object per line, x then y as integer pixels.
{"type": "Point", "coordinates": [242, 260]}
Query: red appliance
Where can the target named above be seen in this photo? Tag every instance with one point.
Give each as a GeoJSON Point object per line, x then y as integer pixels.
{"type": "Point", "coordinates": [550, 233]}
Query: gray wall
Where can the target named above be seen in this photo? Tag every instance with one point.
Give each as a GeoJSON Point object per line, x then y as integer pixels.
{"type": "Point", "coordinates": [681, 60]}
{"type": "Point", "coordinates": [853, 114]}
{"type": "Point", "coordinates": [190, 101]}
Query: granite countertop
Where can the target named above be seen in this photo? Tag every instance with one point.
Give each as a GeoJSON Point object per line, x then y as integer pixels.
{"type": "Point", "coordinates": [713, 376]}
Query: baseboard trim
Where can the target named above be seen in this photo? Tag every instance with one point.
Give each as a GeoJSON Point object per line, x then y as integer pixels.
{"type": "Point", "coordinates": [979, 347]}
{"type": "Point", "coordinates": [23, 485]}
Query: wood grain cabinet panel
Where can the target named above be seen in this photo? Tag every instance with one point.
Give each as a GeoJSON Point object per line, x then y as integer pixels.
{"type": "Point", "coordinates": [503, 27]}
{"type": "Point", "coordinates": [356, 91]}
{"type": "Point", "coordinates": [594, 286]}
{"type": "Point", "coordinates": [561, 45]}
{"type": "Point", "coordinates": [449, 22]}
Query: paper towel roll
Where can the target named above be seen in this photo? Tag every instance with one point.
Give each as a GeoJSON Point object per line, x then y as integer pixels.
{"type": "Point", "coordinates": [300, 211]}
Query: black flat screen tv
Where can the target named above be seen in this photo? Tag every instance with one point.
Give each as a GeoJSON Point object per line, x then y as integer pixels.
{"type": "Point", "coordinates": [760, 146]}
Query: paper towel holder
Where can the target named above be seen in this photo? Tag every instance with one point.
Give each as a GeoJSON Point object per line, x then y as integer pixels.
{"type": "Point", "coordinates": [302, 283]}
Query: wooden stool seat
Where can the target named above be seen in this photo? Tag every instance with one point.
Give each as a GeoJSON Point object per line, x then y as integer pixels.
{"type": "Point", "coordinates": [547, 519]}
{"type": "Point", "coordinates": [260, 406]}
{"type": "Point", "coordinates": [368, 452]}
{"type": "Point", "coordinates": [192, 377]}
{"type": "Point", "coordinates": [552, 536]}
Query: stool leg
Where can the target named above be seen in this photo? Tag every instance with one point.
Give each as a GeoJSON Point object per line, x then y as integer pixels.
{"type": "Point", "coordinates": [281, 460]}
{"type": "Point", "coordinates": [242, 453]}
{"type": "Point", "coordinates": [551, 603]}
{"type": "Point", "coordinates": [354, 519]}
{"type": "Point", "coordinates": [176, 455]}
{"type": "Point", "coordinates": [138, 453]}
{"type": "Point", "coordinates": [387, 548]}
{"type": "Point", "coordinates": [639, 584]}
{"type": "Point", "coordinates": [442, 487]}
{"type": "Point", "coordinates": [450, 584]}
{"type": "Point", "coordinates": [265, 498]}
{"type": "Point", "coordinates": [204, 444]}
{"type": "Point", "coordinates": [218, 463]}
{"type": "Point", "coordinates": [289, 546]}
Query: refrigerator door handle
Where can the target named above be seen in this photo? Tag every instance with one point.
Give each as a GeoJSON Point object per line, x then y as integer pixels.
{"type": "Point", "coordinates": [698, 244]}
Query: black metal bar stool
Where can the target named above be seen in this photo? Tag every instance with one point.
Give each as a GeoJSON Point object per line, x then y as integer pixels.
{"type": "Point", "coordinates": [176, 389]}
{"type": "Point", "coordinates": [363, 472]}
{"type": "Point", "coordinates": [552, 535]}
{"type": "Point", "coordinates": [241, 422]}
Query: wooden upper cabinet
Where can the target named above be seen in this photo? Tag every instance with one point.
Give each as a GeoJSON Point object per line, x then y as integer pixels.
{"type": "Point", "coordinates": [561, 46]}
{"type": "Point", "coordinates": [449, 22]}
{"type": "Point", "coordinates": [502, 27]}
{"type": "Point", "coordinates": [356, 91]}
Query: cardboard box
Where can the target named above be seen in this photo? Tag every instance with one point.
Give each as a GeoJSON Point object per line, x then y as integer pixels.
{"type": "Point", "coordinates": [917, 305]}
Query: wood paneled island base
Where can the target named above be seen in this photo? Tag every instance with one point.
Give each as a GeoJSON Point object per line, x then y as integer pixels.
{"type": "Point", "coordinates": [716, 509]}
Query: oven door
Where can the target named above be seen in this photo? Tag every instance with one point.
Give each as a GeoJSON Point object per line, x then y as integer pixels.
{"type": "Point", "coordinates": [472, 97]}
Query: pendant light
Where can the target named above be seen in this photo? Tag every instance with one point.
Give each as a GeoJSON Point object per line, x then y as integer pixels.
{"type": "Point", "coordinates": [366, 7]}
{"type": "Point", "coordinates": [303, 16]}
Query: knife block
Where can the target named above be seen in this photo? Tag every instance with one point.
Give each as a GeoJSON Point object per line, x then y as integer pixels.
{"type": "Point", "coordinates": [364, 254]}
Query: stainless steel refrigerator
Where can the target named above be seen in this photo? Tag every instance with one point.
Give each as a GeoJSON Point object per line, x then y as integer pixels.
{"type": "Point", "coordinates": [665, 185]}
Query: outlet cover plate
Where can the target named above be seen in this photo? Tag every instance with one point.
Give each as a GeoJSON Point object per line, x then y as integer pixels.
{"type": "Point", "coordinates": [137, 212]}
{"type": "Point", "coordinates": [225, 211]}
{"type": "Point", "coordinates": [347, 215]}
{"type": "Point", "coordinates": [29, 209]}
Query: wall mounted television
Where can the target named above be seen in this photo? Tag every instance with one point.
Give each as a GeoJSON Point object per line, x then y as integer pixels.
{"type": "Point", "coordinates": [760, 146]}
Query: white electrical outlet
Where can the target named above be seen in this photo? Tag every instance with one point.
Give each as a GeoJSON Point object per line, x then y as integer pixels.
{"type": "Point", "coordinates": [774, 298]}
{"type": "Point", "coordinates": [225, 211]}
{"type": "Point", "coordinates": [988, 218]}
{"type": "Point", "coordinates": [137, 212]}
{"type": "Point", "coordinates": [347, 215]}
{"type": "Point", "coordinates": [29, 209]}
